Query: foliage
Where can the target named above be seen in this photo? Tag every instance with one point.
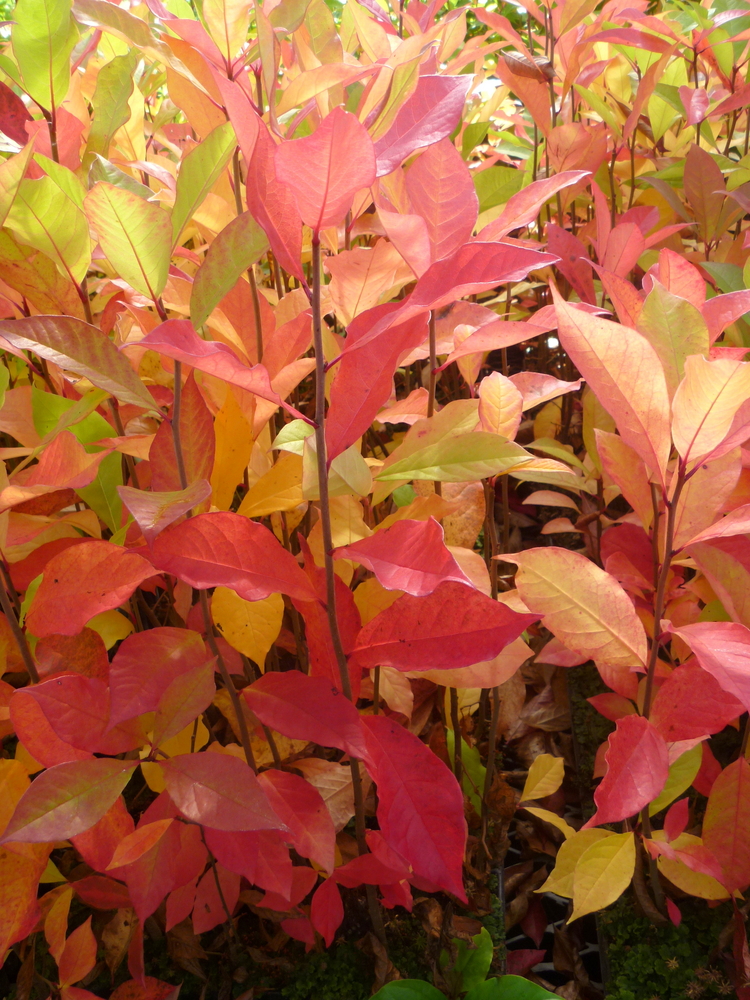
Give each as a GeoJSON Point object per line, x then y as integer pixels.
{"type": "Point", "coordinates": [253, 263]}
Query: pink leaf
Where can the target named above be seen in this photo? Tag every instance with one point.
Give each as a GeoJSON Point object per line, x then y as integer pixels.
{"type": "Point", "coordinates": [227, 550]}
{"type": "Point", "coordinates": [455, 626]}
{"type": "Point", "coordinates": [524, 206]}
{"type": "Point", "coordinates": [409, 556]}
{"type": "Point", "coordinates": [637, 769]}
{"type": "Point", "coordinates": [676, 819]}
{"type": "Point", "coordinates": [300, 807]}
{"type": "Point", "coordinates": [307, 708]}
{"type": "Point", "coordinates": [177, 339]}
{"type": "Point", "coordinates": [695, 102]}
{"type": "Point", "coordinates": [154, 512]}
{"type": "Point", "coordinates": [429, 115]}
{"type": "Point", "coordinates": [723, 649]}
{"type": "Point", "coordinates": [326, 169]}
{"type": "Point", "coordinates": [442, 192]}
{"type": "Point", "coordinates": [420, 806]}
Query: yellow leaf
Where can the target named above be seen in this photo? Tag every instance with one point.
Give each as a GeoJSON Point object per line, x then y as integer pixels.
{"type": "Point", "coordinates": [545, 777]}
{"type": "Point", "coordinates": [262, 749]}
{"type": "Point", "coordinates": [561, 877]}
{"type": "Point", "coordinates": [695, 883]}
{"type": "Point", "coordinates": [52, 873]}
{"type": "Point", "coordinates": [111, 626]}
{"type": "Point", "coordinates": [14, 780]}
{"type": "Point", "coordinates": [583, 606]}
{"type": "Point", "coordinates": [553, 819]}
{"type": "Point", "coordinates": [223, 702]}
{"type": "Point", "coordinates": [602, 874]}
{"type": "Point", "coordinates": [279, 489]}
{"type": "Point", "coordinates": [24, 758]}
{"type": "Point", "coordinates": [251, 627]}
{"type": "Point", "coordinates": [234, 443]}
{"type": "Point", "coordinates": [371, 598]}
{"type": "Point", "coordinates": [500, 405]}
{"type": "Point", "coordinates": [183, 742]}
{"type": "Point", "coordinates": [680, 778]}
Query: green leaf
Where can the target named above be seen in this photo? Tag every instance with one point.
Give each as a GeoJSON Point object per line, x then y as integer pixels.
{"type": "Point", "coordinates": [473, 964]}
{"type": "Point", "coordinates": [82, 349]}
{"type": "Point", "coordinates": [43, 37]}
{"type": "Point", "coordinates": [408, 989]}
{"type": "Point", "coordinates": [237, 247]}
{"type": "Point", "coordinates": [47, 218]}
{"type": "Point", "coordinates": [101, 495]}
{"type": "Point", "coordinates": [114, 86]}
{"type": "Point", "coordinates": [681, 775]}
{"type": "Point", "coordinates": [473, 135]}
{"type": "Point", "coordinates": [134, 234]}
{"type": "Point", "coordinates": [199, 172]}
{"type": "Point", "coordinates": [53, 414]}
{"type": "Point", "coordinates": [4, 382]}
{"type": "Point", "coordinates": [102, 170]}
{"type": "Point", "coordinates": [509, 988]}
{"type": "Point", "coordinates": [496, 185]}
{"type": "Point", "coordinates": [675, 329]}
{"type": "Point", "coordinates": [473, 769]}
{"type": "Point", "coordinates": [460, 459]}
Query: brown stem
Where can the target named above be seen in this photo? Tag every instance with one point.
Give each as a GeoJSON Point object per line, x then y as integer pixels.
{"type": "Point", "coordinates": [228, 682]}
{"type": "Point", "coordinates": [490, 534]}
{"type": "Point", "coordinates": [251, 270]}
{"type": "Point", "coordinates": [176, 433]}
{"type": "Point", "coordinates": [18, 635]}
{"type": "Point", "coordinates": [325, 522]}
{"type": "Point", "coordinates": [83, 295]}
{"type": "Point", "coordinates": [490, 771]}
{"type": "Point", "coordinates": [129, 463]}
{"type": "Point", "coordinates": [433, 382]}
{"type": "Point", "coordinates": [376, 691]}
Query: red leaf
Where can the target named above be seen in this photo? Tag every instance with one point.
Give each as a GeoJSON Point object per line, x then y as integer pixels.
{"type": "Point", "coordinates": [363, 379]}
{"type": "Point", "coordinates": [273, 206]}
{"type": "Point", "coordinates": [409, 556]}
{"type": "Point", "coordinates": [708, 772]}
{"type": "Point", "coordinates": [177, 339]}
{"type": "Point", "coordinates": [676, 818]}
{"type": "Point", "coordinates": [300, 806]}
{"type": "Point", "coordinates": [673, 911]}
{"type": "Point", "coordinates": [145, 665]}
{"type": "Point", "coordinates": [13, 115]}
{"type": "Point", "coordinates": [68, 799]}
{"type": "Point", "coordinates": [219, 791]}
{"type": "Point", "coordinates": [368, 869]}
{"type": "Point", "coordinates": [307, 708]}
{"type": "Point", "coordinates": [97, 844]}
{"type": "Point", "coordinates": [726, 822]}
{"type": "Point", "coordinates": [77, 709]}
{"type": "Point", "coordinates": [180, 904]}
{"type": "Point", "coordinates": [81, 582]}
{"type": "Point", "coordinates": [690, 704]}
{"type": "Point", "coordinates": [208, 911]}
{"type": "Point", "coordinates": [227, 550]}
{"type": "Point", "coordinates": [637, 769]}
{"type": "Point", "coordinates": [723, 649]}
{"type": "Point", "coordinates": [520, 961]}
{"type": "Point", "coordinates": [303, 879]}
{"type": "Point", "coordinates": [102, 893]}
{"type": "Point", "coordinates": [28, 569]}
{"type": "Point", "coordinates": [198, 446]}
{"type": "Point", "coordinates": [327, 911]}
{"type": "Point", "coordinates": [184, 700]}
{"type": "Point", "coordinates": [430, 114]}
{"type": "Point", "coordinates": [300, 929]}
{"type": "Point", "coordinates": [20, 874]}
{"type": "Point", "coordinates": [420, 806]}
{"type": "Point", "coordinates": [83, 654]}
{"type": "Point", "coordinates": [154, 989]}
{"type": "Point", "coordinates": [695, 102]}
{"type": "Point", "coordinates": [236, 850]}
{"type": "Point", "coordinates": [441, 191]}
{"type": "Point", "coordinates": [37, 735]}
{"type": "Point", "coordinates": [274, 872]}
{"type": "Point", "coordinates": [79, 955]}
{"type": "Point", "coordinates": [455, 626]}
{"type": "Point", "coordinates": [326, 169]}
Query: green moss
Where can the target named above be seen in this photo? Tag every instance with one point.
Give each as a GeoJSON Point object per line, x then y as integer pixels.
{"type": "Point", "coordinates": [590, 729]}
{"type": "Point", "coordinates": [343, 973]}
{"type": "Point", "coordinates": [668, 963]}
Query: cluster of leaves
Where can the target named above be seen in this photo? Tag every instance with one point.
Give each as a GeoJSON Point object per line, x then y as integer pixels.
{"type": "Point", "coordinates": [239, 513]}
